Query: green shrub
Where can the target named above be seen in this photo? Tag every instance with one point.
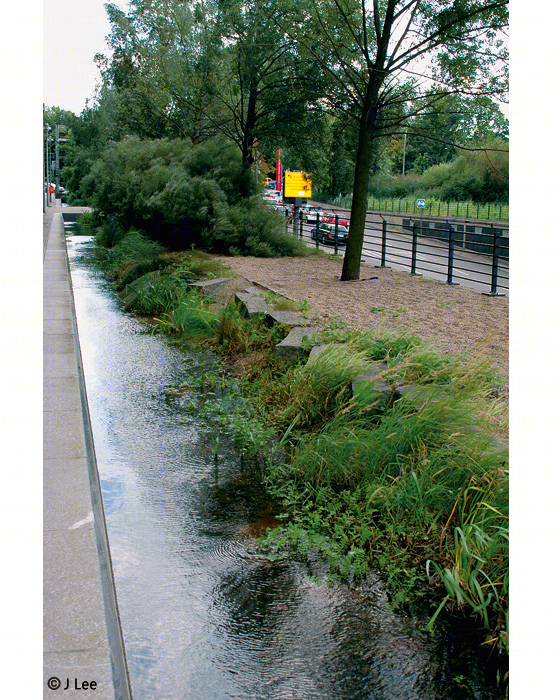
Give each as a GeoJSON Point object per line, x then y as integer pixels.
{"type": "Point", "coordinates": [110, 234]}
{"type": "Point", "coordinates": [168, 188]}
{"type": "Point", "coordinates": [250, 229]}
{"type": "Point", "coordinates": [190, 318]}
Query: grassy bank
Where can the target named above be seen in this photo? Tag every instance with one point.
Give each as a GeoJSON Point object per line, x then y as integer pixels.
{"type": "Point", "coordinates": [415, 487]}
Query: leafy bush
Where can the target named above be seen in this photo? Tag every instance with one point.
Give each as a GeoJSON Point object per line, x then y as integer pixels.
{"type": "Point", "coordinates": [479, 176]}
{"type": "Point", "coordinates": [251, 230]}
{"type": "Point", "coordinates": [181, 196]}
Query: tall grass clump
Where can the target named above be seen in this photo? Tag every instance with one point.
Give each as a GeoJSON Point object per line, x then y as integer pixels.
{"type": "Point", "coordinates": [316, 389]}
{"type": "Point", "coordinates": [189, 319]}
{"type": "Point", "coordinates": [109, 234]}
{"type": "Point", "coordinates": [132, 255]}
{"type": "Point", "coordinates": [236, 333]}
{"type": "Point", "coordinates": [151, 294]}
{"type": "Point", "coordinates": [227, 330]}
{"type": "Point", "coordinates": [397, 484]}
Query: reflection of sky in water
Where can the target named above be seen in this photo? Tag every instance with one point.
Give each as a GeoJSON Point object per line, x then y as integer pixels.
{"type": "Point", "coordinates": [202, 618]}
{"type": "Point", "coordinates": [113, 491]}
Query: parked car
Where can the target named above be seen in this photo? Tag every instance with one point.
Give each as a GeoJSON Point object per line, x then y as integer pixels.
{"type": "Point", "coordinates": [326, 234]}
{"type": "Point", "coordinates": [269, 199]}
{"type": "Point", "coordinates": [309, 212]}
{"type": "Point", "coordinates": [329, 218]}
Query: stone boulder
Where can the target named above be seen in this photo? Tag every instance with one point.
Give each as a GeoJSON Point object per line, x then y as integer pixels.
{"type": "Point", "coordinates": [294, 347]}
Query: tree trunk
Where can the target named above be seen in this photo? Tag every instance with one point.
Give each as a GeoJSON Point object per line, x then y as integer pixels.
{"type": "Point", "coordinates": [353, 254]}
{"type": "Point", "coordinates": [249, 129]}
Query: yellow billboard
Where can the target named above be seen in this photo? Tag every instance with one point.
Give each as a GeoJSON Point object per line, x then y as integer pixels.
{"type": "Point", "coordinates": [297, 185]}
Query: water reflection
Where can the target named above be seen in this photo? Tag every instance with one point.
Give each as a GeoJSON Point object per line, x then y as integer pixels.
{"type": "Point", "coordinates": [203, 617]}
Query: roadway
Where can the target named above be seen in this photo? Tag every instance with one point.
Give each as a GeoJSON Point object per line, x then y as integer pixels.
{"type": "Point", "coordinates": [470, 269]}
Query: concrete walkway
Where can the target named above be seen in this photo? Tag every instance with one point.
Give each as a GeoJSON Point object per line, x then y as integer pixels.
{"type": "Point", "coordinates": [82, 643]}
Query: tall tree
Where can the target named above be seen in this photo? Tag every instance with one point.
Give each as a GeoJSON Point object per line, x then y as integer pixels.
{"type": "Point", "coordinates": [376, 54]}
{"type": "Point", "coordinates": [212, 66]}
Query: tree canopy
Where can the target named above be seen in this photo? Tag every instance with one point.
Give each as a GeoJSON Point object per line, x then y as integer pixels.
{"type": "Point", "coordinates": [337, 84]}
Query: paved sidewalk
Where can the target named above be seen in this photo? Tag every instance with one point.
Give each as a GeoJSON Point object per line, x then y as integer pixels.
{"type": "Point", "coordinates": [79, 645]}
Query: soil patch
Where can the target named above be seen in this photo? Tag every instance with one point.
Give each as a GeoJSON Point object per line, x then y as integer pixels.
{"type": "Point", "coordinates": [455, 319]}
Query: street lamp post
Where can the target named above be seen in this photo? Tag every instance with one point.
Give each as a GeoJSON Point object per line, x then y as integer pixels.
{"type": "Point", "coordinates": [48, 139]}
{"type": "Point", "coordinates": [57, 141]}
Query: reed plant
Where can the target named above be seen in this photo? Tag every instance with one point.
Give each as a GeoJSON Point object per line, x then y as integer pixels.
{"type": "Point", "coordinates": [398, 485]}
{"type": "Point", "coordinates": [237, 334]}
{"type": "Point", "coordinates": [189, 319]}
{"type": "Point", "coordinates": [150, 295]}
{"type": "Point", "coordinates": [315, 390]}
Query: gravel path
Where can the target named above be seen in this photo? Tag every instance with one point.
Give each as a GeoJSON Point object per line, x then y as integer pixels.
{"type": "Point", "coordinates": [456, 319]}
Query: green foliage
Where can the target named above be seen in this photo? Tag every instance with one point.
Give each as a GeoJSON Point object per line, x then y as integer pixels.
{"type": "Point", "coordinates": [151, 294]}
{"type": "Point", "coordinates": [182, 196]}
{"type": "Point", "coordinates": [317, 388]}
{"type": "Point", "coordinates": [189, 319]}
{"type": "Point", "coordinates": [237, 333]}
{"type": "Point", "coordinates": [388, 484]}
{"type": "Point", "coordinates": [131, 256]}
{"type": "Point", "coordinates": [251, 229]}
{"type": "Point", "coordinates": [479, 177]}
{"type": "Point", "coordinates": [232, 415]}
{"type": "Point", "coordinates": [85, 225]}
{"type": "Point", "coordinates": [109, 234]}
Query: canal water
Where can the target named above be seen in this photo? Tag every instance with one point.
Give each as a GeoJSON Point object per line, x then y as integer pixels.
{"type": "Point", "coordinates": [203, 617]}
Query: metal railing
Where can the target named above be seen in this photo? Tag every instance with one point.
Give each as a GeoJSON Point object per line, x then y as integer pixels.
{"type": "Point", "coordinates": [408, 205]}
{"type": "Point", "coordinates": [465, 253]}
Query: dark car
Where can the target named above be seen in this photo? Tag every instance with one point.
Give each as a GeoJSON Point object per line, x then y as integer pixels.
{"type": "Point", "coordinates": [327, 234]}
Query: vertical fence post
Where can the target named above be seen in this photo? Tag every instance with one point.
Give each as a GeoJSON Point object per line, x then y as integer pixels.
{"type": "Point", "coordinates": [383, 243]}
{"type": "Point", "coordinates": [488, 215]}
{"type": "Point", "coordinates": [495, 261]}
{"type": "Point", "coordinates": [448, 203]}
{"type": "Point", "coordinates": [300, 223]}
{"type": "Point", "coordinates": [414, 248]}
{"type": "Point", "coordinates": [336, 234]}
{"type": "Point", "coordinates": [457, 209]}
{"type": "Point", "coordinates": [450, 256]}
{"type": "Point", "coordinates": [317, 232]}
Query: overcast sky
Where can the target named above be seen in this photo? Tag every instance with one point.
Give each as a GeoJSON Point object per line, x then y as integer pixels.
{"type": "Point", "coordinates": [73, 32]}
